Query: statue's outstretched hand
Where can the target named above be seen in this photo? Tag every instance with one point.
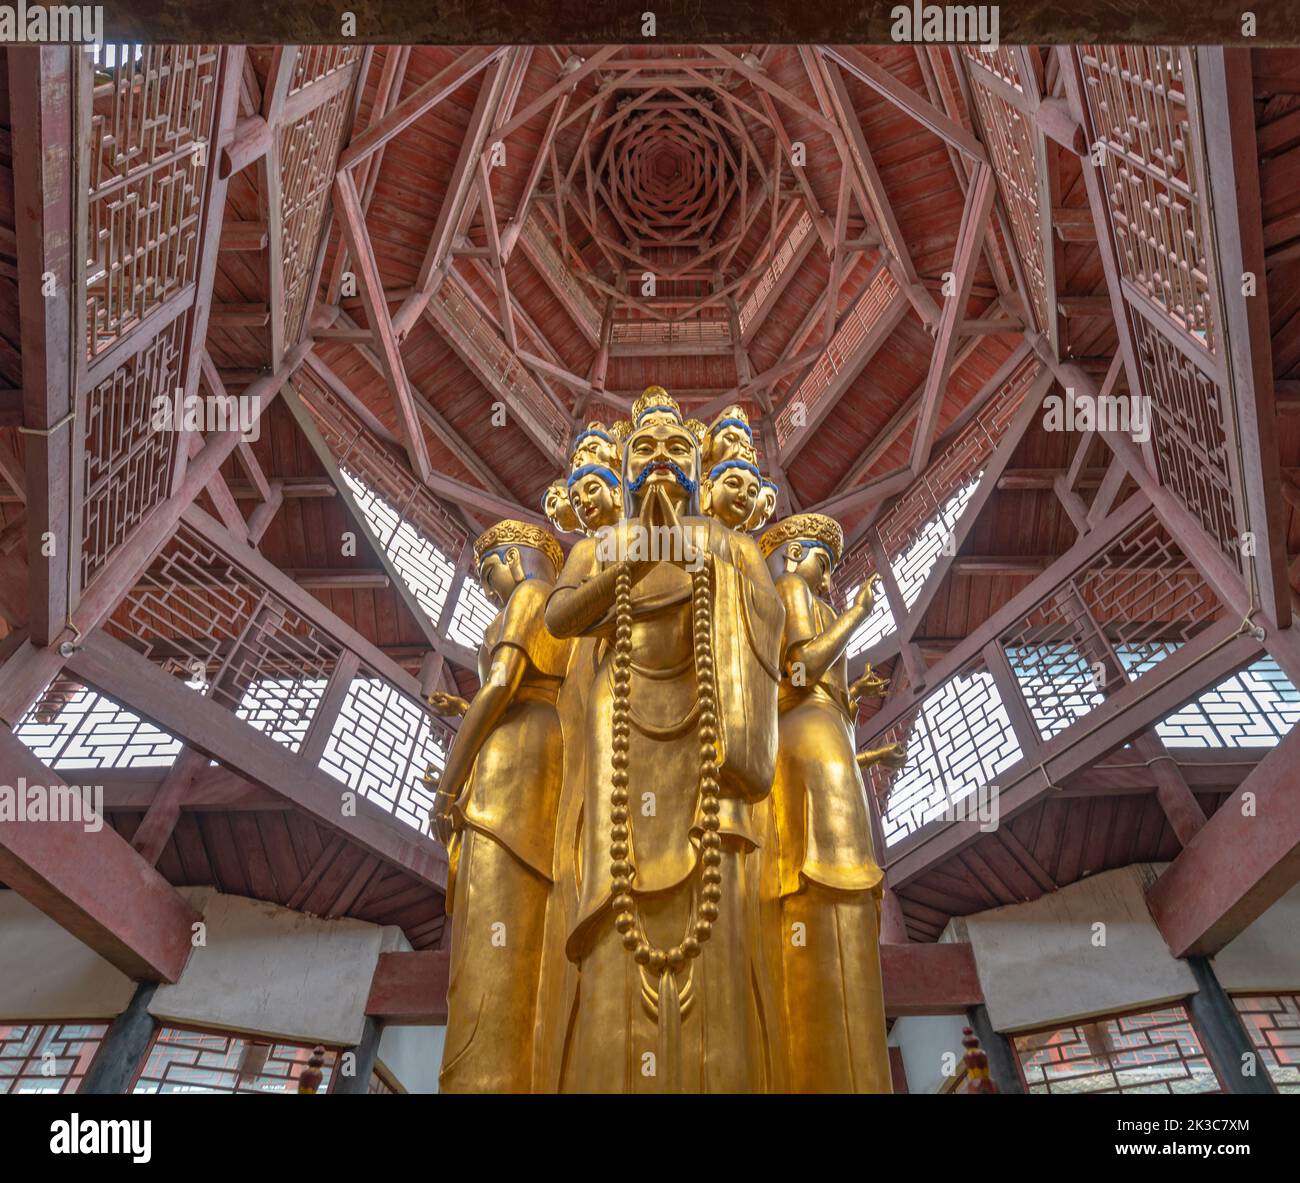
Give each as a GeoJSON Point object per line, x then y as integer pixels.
{"type": "Point", "coordinates": [445, 704]}
{"type": "Point", "coordinates": [865, 600]}
{"type": "Point", "coordinates": [870, 685]}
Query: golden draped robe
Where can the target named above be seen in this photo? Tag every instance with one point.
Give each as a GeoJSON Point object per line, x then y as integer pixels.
{"type": "Point", "coordinates": [727, 1003]}
{"type": "Point", "coordinates": [502, 862]}
{"type": "Point", "coordinates": [821, 881]}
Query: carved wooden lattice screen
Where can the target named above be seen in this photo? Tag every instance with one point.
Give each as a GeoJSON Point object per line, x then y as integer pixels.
{"type": "Point", "coordinates": [308, 150]}
{"type": "Point", "coordinates": [1110, 622]}
{"type": "Point", "coordinates": [1140, 106]}
{"type": "Point", "coordinates": [541, 251]}
{"type": "Point", "coordinates": [148, 176]}
{"type": "Point", "coordinates": [1005, 90]}
{"type": "Point", "coordinates": [359, 453]}
{"type": "Point", "coordinates": [478, 343]}
{"type": "Point", "coordinates": [912, 531]}
{"type": "Point", "coordinates": [849, 340]}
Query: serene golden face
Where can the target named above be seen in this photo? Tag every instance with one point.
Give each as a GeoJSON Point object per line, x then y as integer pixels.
{"type": "Point", "coordinates": [592, 449]}
{"type": "Point", "coordinates": [595, 502]}
{"type": "Point", "coordinates": [654, 451]}
{"type": "Point", "coordinates": [558, 508]}
{"type": "Point", "coordinates": [496, 578]}
{"type": "Point", "coordinates": [731, 442]}
{"type": "Point", "coordinates": [732, 496]}
{"type": "Point", "coordinates": [812, 564]}
{"type": "Point", "coordinates": [764, 508]}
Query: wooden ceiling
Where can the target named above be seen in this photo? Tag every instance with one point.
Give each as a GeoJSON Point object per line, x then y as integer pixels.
{"type": "Point", "coordinates": [884, 239]}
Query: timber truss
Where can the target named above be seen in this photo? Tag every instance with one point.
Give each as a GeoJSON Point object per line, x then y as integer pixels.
{"type": "Point", "coordinates": [424, 269]}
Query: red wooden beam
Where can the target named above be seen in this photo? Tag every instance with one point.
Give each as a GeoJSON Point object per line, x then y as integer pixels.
{"type": "Point", "coordinates": [919, 979]}
{"type": "Point", "coordinates": [1238, 864]}
{"type": "Point", "coordinates": [969, 239]}
{"type": "Point", "coordinates": [929, 979]}
{"type": "Point", "coordinates": [44, 96]}
{"type": "Point", "coordinates": [410, 988]}
{"type": "Point", "coordinates": [118, 671]}
{"type": "Point", "coordinates": [91, 882]}
{"type": "Point", "coordinates": [352, 221]}
{"type": "Point", "coordinates": [907, 100]}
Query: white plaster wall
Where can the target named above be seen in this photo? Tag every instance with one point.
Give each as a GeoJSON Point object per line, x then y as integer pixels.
{"type": "Point", "coordinates": [931, 1047]}
{"type": "Point", "coordinates": [46, 973]}
{"type": "Point", "coordinates": [1038, 964]}
{"type": "Point", "coordinates": [1266, 957]}
{"type": "Point", "coordinates": [267, 970]}
{"type": "Point", "coordinates": [413, 1056]}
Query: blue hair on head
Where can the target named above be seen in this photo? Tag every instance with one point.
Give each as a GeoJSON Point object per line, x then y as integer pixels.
{"type": "Point", "coordinates": [657, 407]}
{"type": "Point", "coordinates": [682, 479]}
{"type": "Point", "coordinates": [499, 551]}
{"type": "Point", "coordinates": [771, 485]}
{"type": "Point", "coordinates": [830, 554]}
{"type": "Point", "coordinates": [745, 427]}
{"type": "Point", "coordinates": [582, 435]}
{"type": "Point", "coordinates": [599, 470]}
{"type": "Point", "coordinates": [717, 469]}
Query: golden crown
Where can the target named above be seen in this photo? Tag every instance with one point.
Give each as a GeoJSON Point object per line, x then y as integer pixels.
{"type": "Point", "coordinates": [815, 527]}
{"type": "Point", "coordinates": [512, 533]}
{"type": "Point", "coordinates": [654, 396]}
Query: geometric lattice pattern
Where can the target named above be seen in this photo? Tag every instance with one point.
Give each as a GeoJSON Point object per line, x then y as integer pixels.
{"type": "Point", "coordinates": [1273, 1023]}
{"type": "Point", "coordinates": [1255, 708]}
{"type": "Point", "coordinates": [308, 151]}
{"type": "Point", "coordinates": [1013, 150]}
{"type": "Point", "coordinates": [72, 726]}
{"type": "Point", "coordinates": [478, 342]}
{"type": "Point", "coordinates": [47, 1057]}
{"type": "Point", "coordinates": [201, 1062]}
{"type": "Point", "coordinates": [767, 281]}
{"type": "Point", "coordinates": [1137, 99]}
{"type": "Point", "coordinates": [128, 465]}
{"type": "Point", "coordinates": [1157, 1051]}
{"type": "Point", "coordinates": [536, 241]}
{"type": "Point", "coordinates": [314, 62]}
{"type": "Point", "coordinates": [196, 612]}
{"type": "Point", "coordinates": [1112, 622]}
{"type": "Point", "coordinates": [473, 613]}
{"type": "Point", "coordinates": [366, 459]}
{"type": "Point", "coordinates": [914, 531]}
{"type": "Point", "coordinates": [381, 745]}
{"type": "Point", "coordinates": [422, 566]}
{"type": "Point", "coordinates": [849, 340]}
{"type": "Point", "coordinates": [958, 739]}
{"type": "Point", "coordinates": [151, 133]}
{"type": "Point", "coordinates": [1191, 434]}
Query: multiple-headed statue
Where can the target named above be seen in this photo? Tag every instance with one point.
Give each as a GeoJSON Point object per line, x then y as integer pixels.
{"type": "Point", "coordinates": [662, 875]}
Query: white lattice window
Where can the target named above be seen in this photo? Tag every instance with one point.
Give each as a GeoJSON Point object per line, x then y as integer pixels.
{"type": "Point", "coordinates": [381, 745]}
{"type": "Point", "coordinates": [72, 726]}
{"type": "Point", "coordinates": [423, 567]}
{"type": "Point", "coordinates": [913, 566]}
{"type": "Point", "coordinates": [473, 613]}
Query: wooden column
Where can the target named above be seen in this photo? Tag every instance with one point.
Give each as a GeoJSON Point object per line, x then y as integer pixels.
{"type": "Point", "coordinates": [1233, 1056]}
{"type": "Point", "coordinates": [126, 1045]}
{"type": "Point", "coordinates": [364, 1053]}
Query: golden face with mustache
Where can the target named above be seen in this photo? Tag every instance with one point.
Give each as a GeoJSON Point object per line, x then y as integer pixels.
{"type": "Point", "coordinates": [662, 456]}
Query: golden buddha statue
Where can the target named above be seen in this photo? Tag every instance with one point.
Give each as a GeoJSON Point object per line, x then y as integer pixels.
{"type": "Point", "coordinates": [495, 809]}
{"type": "Point", "coordinates": [680, 734]}
{"type": "Point", "coordinates": [820, 869]}
{"type": "Point", "coordinates": [617, 796]}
